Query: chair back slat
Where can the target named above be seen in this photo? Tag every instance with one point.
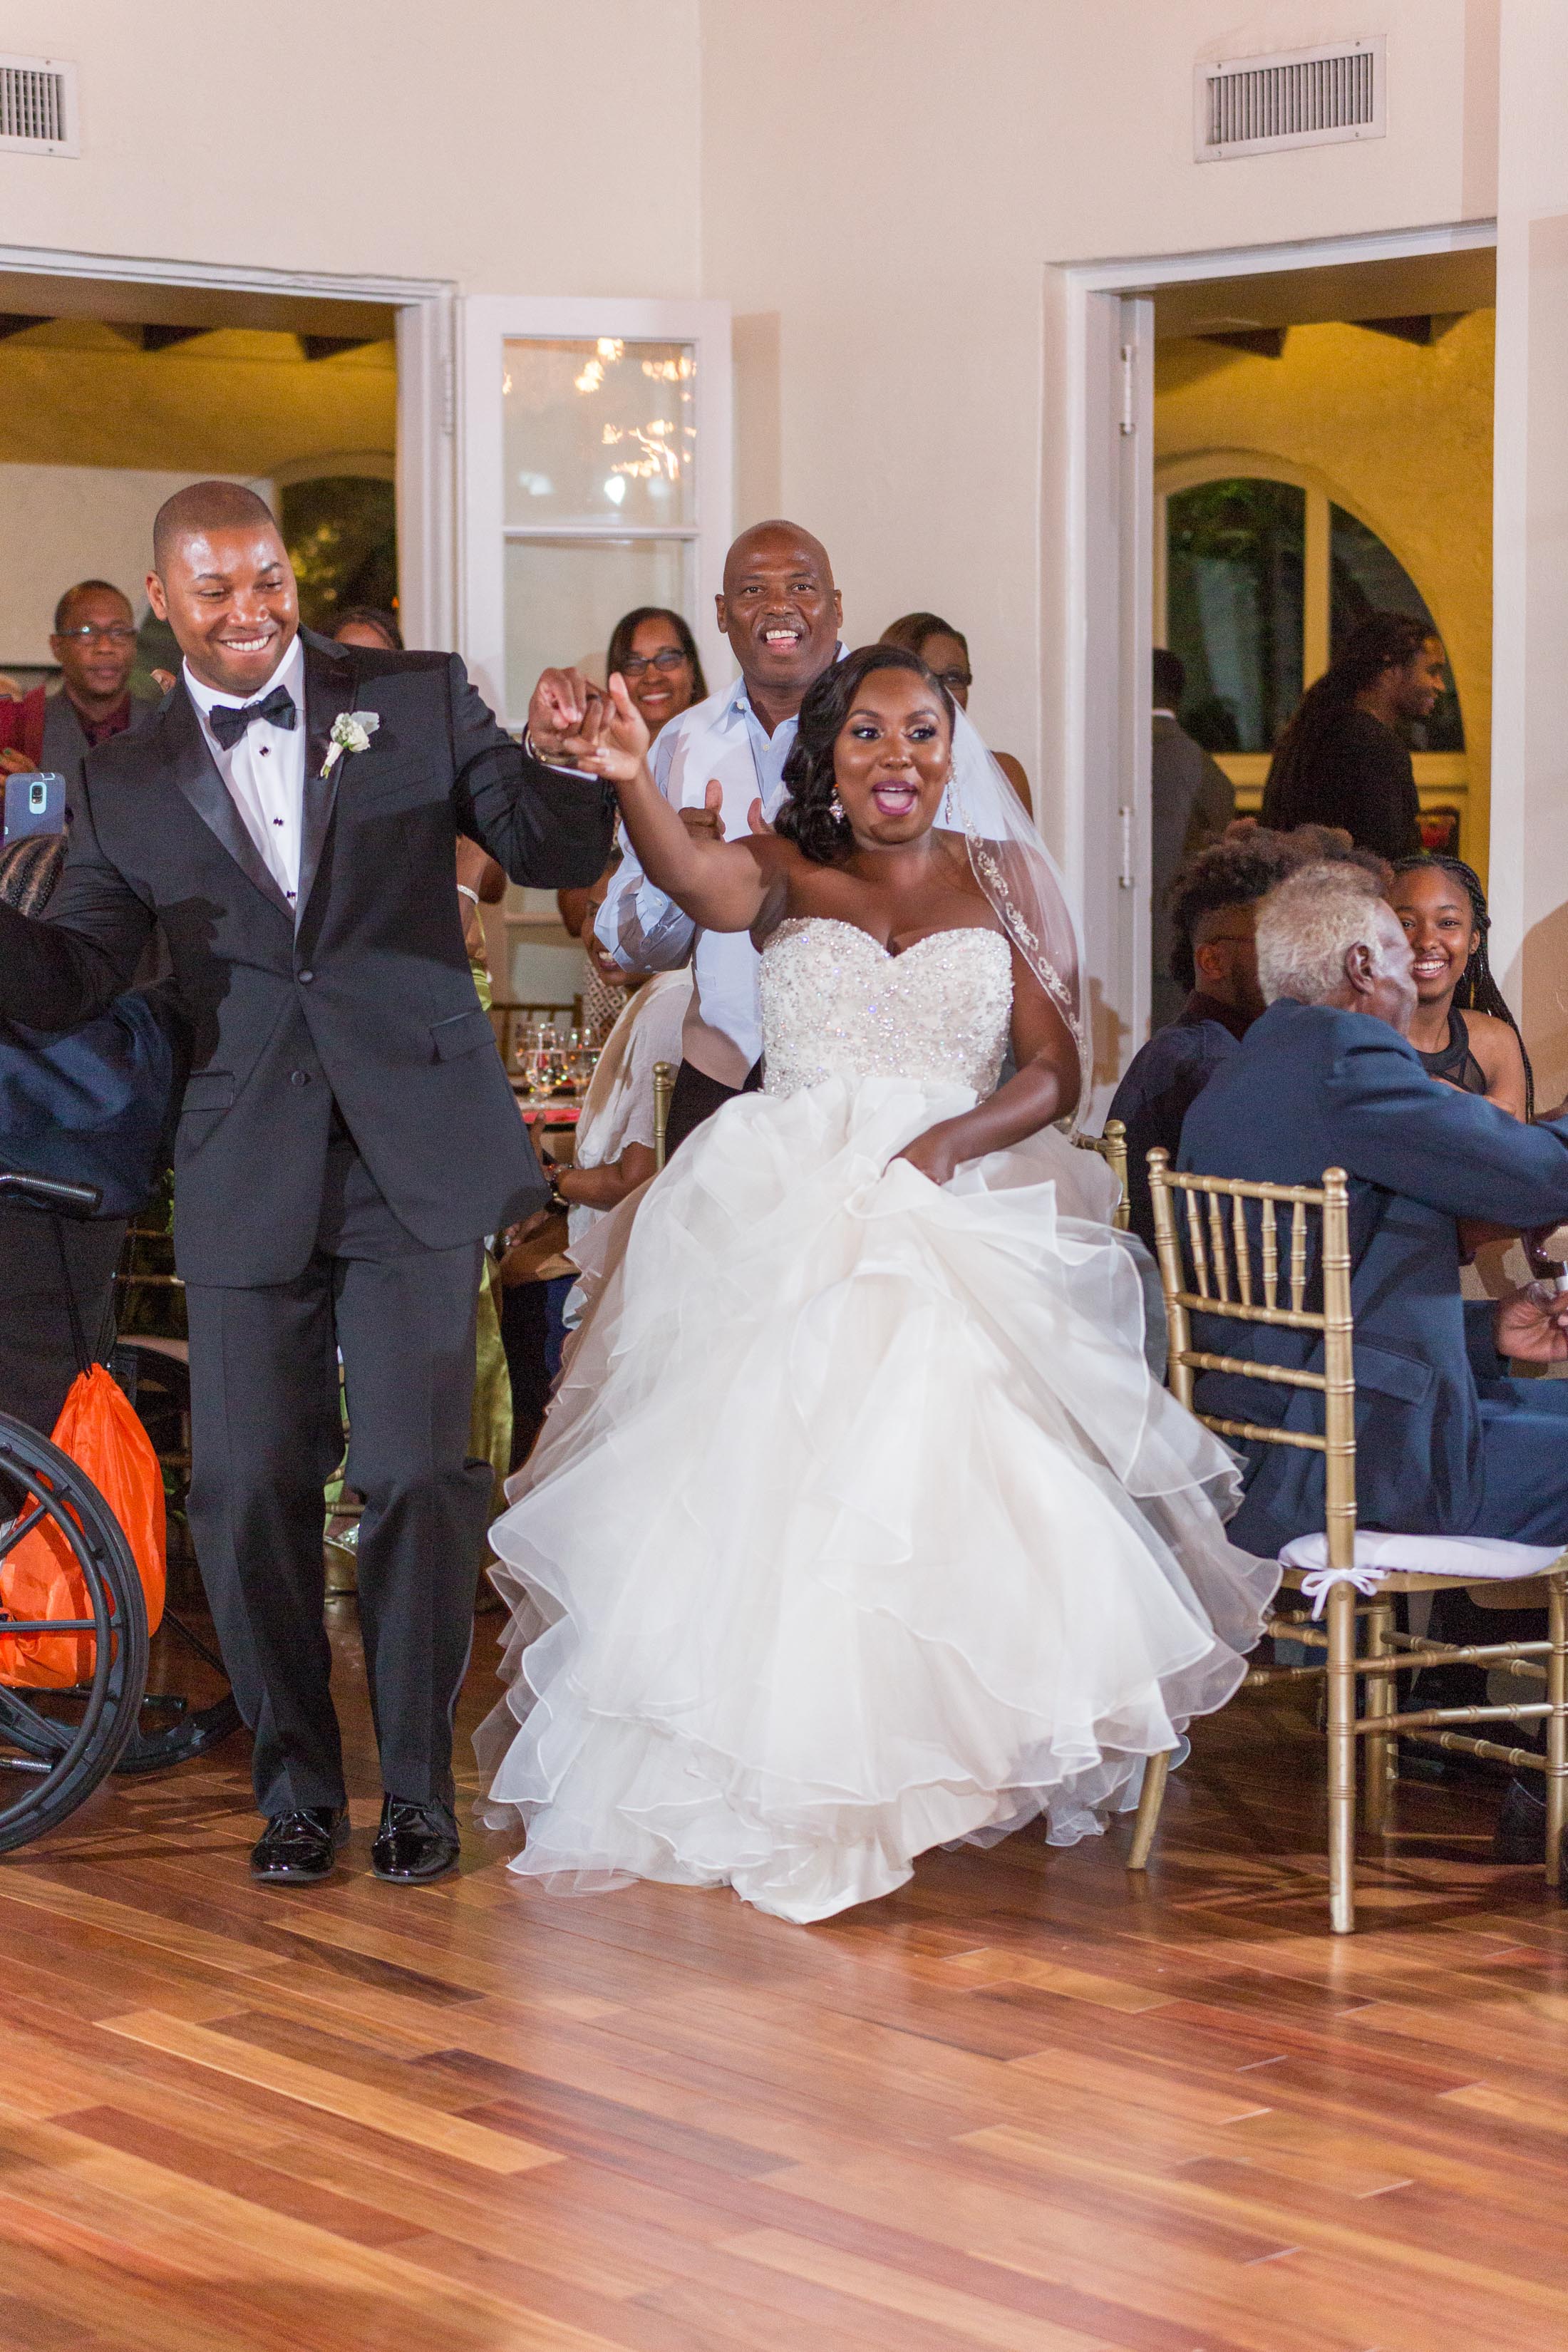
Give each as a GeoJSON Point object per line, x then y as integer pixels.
{"type": "Point", "coordinates": [1299, 1256]}
{"type": "Point", "coordinates": [1270, 1255]}
{"type": "Point", "coordinates": [1239, 1243]}
{"type": "Point", "coordinates": [1216, 1242]}
{"type": "Point", "coordinates": [1199, 1255]}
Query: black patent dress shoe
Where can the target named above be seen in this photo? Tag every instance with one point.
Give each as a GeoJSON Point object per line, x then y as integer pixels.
{"type": "Point", "coordinates": [413, 1844]}
{"type": "Point", "coordinates": [1520, 1832]}
{"type": "Point", "coordinates": [300, 1848]}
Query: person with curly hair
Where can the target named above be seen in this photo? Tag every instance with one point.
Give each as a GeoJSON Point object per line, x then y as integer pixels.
{"type": "Point", "coordinates": [1213, 907]}
{"type": "Point", "coordinates": [823, 1526]}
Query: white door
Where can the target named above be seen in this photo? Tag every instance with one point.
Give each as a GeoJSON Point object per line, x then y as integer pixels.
{"type": "Point", "coordinates": [594, 475]}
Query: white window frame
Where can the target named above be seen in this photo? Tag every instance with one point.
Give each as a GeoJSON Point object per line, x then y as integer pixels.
{"type": "Point", "coordinates": [487, 321]}
{"type": "Point", "coordinates": [1440, 776]}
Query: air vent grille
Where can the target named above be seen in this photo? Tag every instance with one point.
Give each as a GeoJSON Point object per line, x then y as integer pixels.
{"type": "Point", "coordinates": [1310, 98]}
{"type": "Point", "coordinates": [38, 107]}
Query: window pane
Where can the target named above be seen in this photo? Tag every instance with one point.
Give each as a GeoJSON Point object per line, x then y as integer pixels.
{"type": "Point", "coordinates": [599, 431]}
{"type": "Point", "coordinates": [1233, 568]}
{"type": "Point", "coordinates": [563, 596]}
{"type": "Point", "coordinates": [1367, 577]}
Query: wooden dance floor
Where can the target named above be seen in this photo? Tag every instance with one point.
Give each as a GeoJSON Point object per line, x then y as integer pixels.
{"type": "Point", "coordinates": [1026, 2105]}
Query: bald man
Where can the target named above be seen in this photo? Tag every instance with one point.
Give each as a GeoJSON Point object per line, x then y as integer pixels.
{"type": "Point", "coordinates": [782, 613]}
{"type": "Point", "coordinates": [347, 1135]}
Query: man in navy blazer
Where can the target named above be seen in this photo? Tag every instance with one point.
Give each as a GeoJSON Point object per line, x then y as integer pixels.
{"type": "Point", "coordinates": [1446, 1443]}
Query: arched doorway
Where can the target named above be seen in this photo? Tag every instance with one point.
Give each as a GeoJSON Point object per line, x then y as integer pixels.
{"type": "Point", "coordinates": [1261, 570]}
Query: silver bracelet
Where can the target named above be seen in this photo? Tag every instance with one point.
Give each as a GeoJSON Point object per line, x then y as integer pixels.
{"type": "Point", "coordinates": [464, 892]}
{"type": "Point", "coordinates": [559, 766]}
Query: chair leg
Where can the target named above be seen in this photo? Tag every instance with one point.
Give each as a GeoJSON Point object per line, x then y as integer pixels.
{"type": "Point", "coordinates": [1381, 1698]}
{"type": "Point", "coordinates": [1150, 1797]}
{"type": "Point", "coordinates": [1342, 1679]}
{"type": "Point", "coordinates": [1556, 1727]}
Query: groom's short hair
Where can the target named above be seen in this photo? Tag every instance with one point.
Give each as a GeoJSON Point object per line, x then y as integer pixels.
{"type": "Point", "coordinates": [202, 507]}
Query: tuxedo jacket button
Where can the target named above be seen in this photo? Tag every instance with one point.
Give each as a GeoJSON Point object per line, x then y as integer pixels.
{"type": "Point", "coordinates": [300, 1078]}
{"type": "Point", "coordinates": [306, 978]}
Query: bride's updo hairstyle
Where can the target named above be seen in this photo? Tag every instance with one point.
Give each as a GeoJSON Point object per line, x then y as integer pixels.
{"type": "Point", "coordinates": [806, 818]}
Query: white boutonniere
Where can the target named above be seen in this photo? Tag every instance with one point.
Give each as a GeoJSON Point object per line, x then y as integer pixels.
{"type": "Point", "coordinates": [352, 732]}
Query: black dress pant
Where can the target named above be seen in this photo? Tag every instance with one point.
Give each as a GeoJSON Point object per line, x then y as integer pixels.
{"type": "Point", "coordinates": [37, 1353]}
{"type": "Point", "coordinates": [697, 1097]}
{"type": "Point", "coordinates": [267, 1436]}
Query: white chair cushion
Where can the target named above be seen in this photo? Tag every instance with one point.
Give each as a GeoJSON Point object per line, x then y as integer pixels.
{"type": "Point", "coordinates": [1472, 1558]}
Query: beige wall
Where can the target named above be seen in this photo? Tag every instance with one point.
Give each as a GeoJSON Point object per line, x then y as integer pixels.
{"type": "Point", "coordinates": [886, 224]}
{"type": "Point", "coordinates": [516, 146]}
{"type": "Point", "coordinates": [1401, 435]}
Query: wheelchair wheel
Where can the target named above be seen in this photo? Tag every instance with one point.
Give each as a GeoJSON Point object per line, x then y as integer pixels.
{"type": "Point", "coordinates": [55, 1745]}
{"type": "Point", "coordinates": [187, 1707]}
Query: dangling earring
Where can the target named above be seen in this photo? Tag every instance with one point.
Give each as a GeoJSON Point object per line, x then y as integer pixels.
{"type": "Point", "coordinates": [835, 809]}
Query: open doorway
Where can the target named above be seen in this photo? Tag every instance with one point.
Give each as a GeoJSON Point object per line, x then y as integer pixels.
{"type": "Point", "coordinates": [1276, 443]}
{"type": "Point", "coordinates": [113, 396]}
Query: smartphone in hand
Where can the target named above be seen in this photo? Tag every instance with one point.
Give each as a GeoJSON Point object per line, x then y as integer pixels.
{"type": "Point", "coordinates": [34, 803]}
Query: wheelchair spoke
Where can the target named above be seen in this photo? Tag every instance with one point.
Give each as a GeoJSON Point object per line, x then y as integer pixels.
{"type": "Point", "coordinates": [12, 1535]}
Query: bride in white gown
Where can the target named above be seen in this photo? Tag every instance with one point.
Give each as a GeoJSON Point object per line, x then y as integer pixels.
{"type": "Point", "coordinates": [858, 1525]}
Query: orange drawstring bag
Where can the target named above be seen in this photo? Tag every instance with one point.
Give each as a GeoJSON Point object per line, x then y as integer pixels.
{"type": "Point", "coordinates": [98, 1429]}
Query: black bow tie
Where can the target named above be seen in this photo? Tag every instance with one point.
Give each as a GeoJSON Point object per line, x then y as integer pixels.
{"type": "Point", "coordinates": [228, 723]}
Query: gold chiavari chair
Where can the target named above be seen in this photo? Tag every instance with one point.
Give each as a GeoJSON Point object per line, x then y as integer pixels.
{"type": "Point", "coordinates": [663, 1089]}
{"type": "Point", "coordinates": [1112, 1149]}
{"type": "Point", "coordinates": [1240, 1278]}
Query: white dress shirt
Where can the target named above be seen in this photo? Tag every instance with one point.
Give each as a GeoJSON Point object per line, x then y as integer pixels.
{"type": "Point", "coordinates": [264, 772]}
{"type": "Point", "coordinates": [720, 741]}
{"type": "Point", "coordinates": [618, 1108]}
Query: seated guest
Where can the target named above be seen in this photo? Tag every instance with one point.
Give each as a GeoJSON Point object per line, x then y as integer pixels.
{"type": "Point", "coordinates": [1214, 908]}
{"type": "Point", "coordinates": [1192, 801]}
{"type": "Point", "coordinates": [653, 650]}
{"type": "Point", "coordinates": [1461, 1028]}
{"type": "Point", "coordinates": [945, 653]}
{"type": "Point", "coordinates": [94, 642]}
{"type": "Point", "coordinates": [1327, 1078]}
{"type": "Point", "coordinates": [614, 1151]}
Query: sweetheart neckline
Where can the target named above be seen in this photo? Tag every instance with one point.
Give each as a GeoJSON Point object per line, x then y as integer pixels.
{"type": "Point", "coordinates": [888, 954]}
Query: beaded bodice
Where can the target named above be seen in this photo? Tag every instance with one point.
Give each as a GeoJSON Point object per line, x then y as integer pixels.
{"type": "Point", "coordinates": [837, 1004]}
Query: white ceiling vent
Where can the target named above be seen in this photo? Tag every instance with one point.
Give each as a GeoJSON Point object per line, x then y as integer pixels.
{"type": "Point", "coordinates": [38, 107]}
{"type": "Point", "coordinates": [1298, 98]}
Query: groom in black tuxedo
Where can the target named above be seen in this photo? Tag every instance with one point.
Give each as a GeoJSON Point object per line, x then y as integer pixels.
{"type": "Point", "coordinates": [347, 1135]}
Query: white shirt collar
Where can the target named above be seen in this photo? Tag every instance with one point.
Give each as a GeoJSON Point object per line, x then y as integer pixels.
{"type": "Point", "coordinates": [289, 672]}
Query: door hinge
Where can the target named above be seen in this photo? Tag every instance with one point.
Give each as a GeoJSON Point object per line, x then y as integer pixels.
{"type": "Point", "coordinates": [1129, 387]}
{"type": "Point", "coordinates": [1126, 878]}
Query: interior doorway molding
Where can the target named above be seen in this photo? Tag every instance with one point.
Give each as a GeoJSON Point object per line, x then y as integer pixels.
{"type": "Point", "coordinates": [423, 310]}
{"type": "Point", "coordinates": [1106, 565]}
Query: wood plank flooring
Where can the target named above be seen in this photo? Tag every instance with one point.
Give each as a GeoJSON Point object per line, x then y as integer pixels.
{"type": "Point", "coordinates": [1028, 2104]}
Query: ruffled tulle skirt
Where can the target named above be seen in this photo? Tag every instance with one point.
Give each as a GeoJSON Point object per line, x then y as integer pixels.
{"type": "Point", "coordinates": [857, 1526]}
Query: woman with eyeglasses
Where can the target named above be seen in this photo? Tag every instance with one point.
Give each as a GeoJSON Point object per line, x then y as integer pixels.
{"type": "Point", "coordinates": [945, 653]}
{"type": "Point", "coordinates": [657, 653]}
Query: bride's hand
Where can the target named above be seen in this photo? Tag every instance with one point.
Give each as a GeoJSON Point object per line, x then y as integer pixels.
{"type": "Point", "coordinates": [614, 739]}
{"type": "Point", "coordinates": [933, 1154]}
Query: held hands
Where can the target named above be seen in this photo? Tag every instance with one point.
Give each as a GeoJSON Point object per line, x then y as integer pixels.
{"type": "Point", "coordinates": [561, 704]}
{"type": "Point", "coordinates": [611, 738]}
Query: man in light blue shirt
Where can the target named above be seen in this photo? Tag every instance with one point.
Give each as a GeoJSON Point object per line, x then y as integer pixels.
{"type": "Point", "coordinates": [721, 762]}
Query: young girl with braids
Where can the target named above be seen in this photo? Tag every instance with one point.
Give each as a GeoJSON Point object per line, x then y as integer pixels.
{"type": "Point", "coordinates": [1463, 1029]}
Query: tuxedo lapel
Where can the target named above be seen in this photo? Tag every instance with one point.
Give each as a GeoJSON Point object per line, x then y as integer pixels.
{"type": "Point", "coordinates": [328, 691]}
{"type": "Point", "coordinates": [194, 771]}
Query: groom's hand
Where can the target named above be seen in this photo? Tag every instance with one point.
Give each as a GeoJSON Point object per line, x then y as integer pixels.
{"type": "Point", "coordinates": [558, 708]}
